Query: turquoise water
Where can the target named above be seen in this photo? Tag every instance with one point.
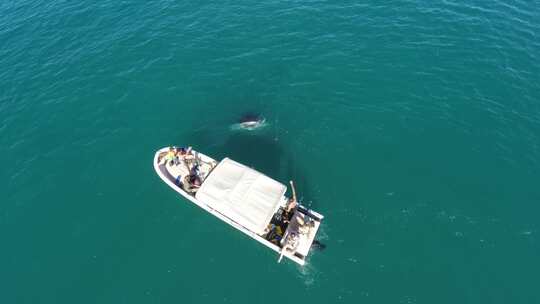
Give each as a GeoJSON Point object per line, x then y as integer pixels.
{"type": "Point", "coordinates": [413, 126]}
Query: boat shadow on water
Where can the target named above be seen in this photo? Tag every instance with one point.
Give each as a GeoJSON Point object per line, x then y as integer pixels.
{"type": "Point", "coordinates": [263, 153]}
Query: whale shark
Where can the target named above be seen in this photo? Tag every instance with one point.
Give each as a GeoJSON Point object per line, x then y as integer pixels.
{"type": "Point", "coordinates": [250, 121]}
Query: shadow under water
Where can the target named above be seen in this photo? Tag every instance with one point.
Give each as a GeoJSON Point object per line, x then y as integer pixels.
{"type": "Point", "coordinates": [261, 152]}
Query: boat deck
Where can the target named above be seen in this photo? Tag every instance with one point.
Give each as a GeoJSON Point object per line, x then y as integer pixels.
{"type": "Point", "coordinates": [187, 171]}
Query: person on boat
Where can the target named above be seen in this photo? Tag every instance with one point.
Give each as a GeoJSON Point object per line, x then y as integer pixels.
{"type": "Point", "coordinates": [193, 179]}
{"type": "Point", "coordinates": [194, 171]}
{"type": "Point", "coordinates": [178, 181]}
{"type": "Point", "coordinates": [186, 154]}
{"type": "Point", "coordinates": [191, 183]}
{"type": "Point", "coordinates": [275, 233]}
{"type": "Point", "coordinates": [180, 151]}
{"type": "Point", "coordinates": [291, 204]}
{"type": "Point", "coordinates": [169, 157]}
{"type": "Point", "coordinates": [180, 154]}
{"type": "Point", "coordinates": [290, 245]}
{"type": "Point", "coordinates": [305, 224]}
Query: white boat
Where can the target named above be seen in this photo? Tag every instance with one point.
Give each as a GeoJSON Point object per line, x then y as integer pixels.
{"type": "Point", "coordinates": [242, 197]}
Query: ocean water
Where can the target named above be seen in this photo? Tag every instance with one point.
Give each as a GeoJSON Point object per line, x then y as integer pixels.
{"type": "Point", "coordinates": [413, 126]}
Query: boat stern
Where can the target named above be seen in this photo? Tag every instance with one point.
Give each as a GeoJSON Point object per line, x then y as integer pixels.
{"type": "Point", "coordinates": [300, 234]}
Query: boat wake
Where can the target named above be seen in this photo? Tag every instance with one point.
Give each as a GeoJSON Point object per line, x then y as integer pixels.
{"type": "Point", "coordinates": [317, 245]}
{"type": "Point", "coordinates": [308, 273]}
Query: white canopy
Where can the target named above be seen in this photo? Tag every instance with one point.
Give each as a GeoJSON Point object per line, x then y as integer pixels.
{"type": "Point", "coordinates": [242, 194]}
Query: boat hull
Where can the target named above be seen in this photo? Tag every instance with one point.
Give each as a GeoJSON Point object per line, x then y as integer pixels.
{"type": "Point", "coordinates": [170, 181]}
